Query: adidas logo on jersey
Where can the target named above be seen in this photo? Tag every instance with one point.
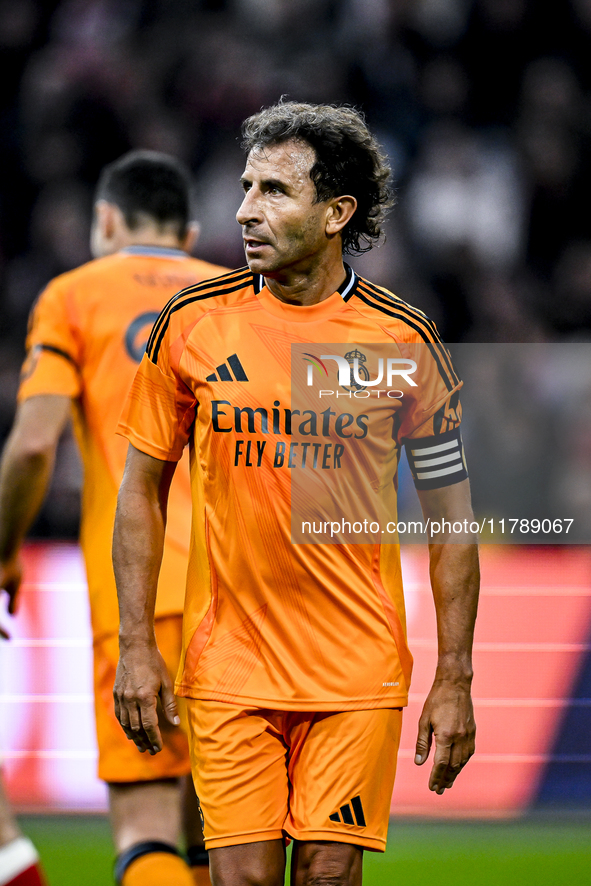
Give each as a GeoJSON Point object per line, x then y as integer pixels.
{"type": "Point", "coordinates": [350, 813]}
{"type": "Point", "coordinates": [231, 370]}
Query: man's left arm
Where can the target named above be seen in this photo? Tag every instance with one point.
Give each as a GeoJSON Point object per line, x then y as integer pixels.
{"type": "Point", "coordinates": [448, 714]}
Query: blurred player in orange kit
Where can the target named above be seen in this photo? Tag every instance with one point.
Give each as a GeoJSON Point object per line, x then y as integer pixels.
{"type": "Point", "coordinates": [19, 862]}
{"type": "Point", "coordinates": [295, 665]}
{"type": "Point", "coordinates": [87, 334]}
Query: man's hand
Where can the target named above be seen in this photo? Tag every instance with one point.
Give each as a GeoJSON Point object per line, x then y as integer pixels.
{"type": "Point", "coordinates": [448, 715]}
{"type": "Point", "coordinates": [11, 575]}
{"type": "Point", "coordinates": [141, 681]}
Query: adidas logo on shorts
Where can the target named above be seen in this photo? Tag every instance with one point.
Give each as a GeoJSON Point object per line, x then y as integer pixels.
{"type": "Point", "coordinates": [231, 370]}
{"type": "Point", "coordinates": [350, 813]}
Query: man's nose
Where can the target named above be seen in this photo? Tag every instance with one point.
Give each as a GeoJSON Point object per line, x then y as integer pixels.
{"type": "Point", "coordinates": [249, 210]}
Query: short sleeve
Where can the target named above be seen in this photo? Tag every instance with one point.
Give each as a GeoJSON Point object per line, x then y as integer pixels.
{"type": "Point", "coordinates": [158, 413]}
{"type": "Point", "coordinates": [52, 364]}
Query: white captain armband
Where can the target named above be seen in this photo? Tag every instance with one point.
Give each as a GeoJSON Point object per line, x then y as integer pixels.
{"type": "Point", "coordinates": [437, 461]}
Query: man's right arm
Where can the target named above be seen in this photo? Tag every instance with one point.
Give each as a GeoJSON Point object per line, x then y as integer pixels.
{"type": "Point", "coordinates": [138, 541]}
{"type": "Point", "coordinates": [25, 472]}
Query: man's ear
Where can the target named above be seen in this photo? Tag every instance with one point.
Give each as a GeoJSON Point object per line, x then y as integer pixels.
{"type": "Point", "coordinates": [191, 237]}
{"type": "Point", "coordinates": [339, 213]}
{"type": "Point", "coordinates": [103, 229]}
{"type": "Point", "coordinates": [105, 218]}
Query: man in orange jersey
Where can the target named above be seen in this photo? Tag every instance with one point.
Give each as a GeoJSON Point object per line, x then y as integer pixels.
{"type": "Point", "coordinates": [19, 861]}
{"type": "Point", "coordinates": [295, 666]}
{"type": "Point", "coordinates": [87, 334]}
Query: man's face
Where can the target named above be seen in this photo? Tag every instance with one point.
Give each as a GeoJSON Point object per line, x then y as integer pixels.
{"type": "Point", "coordinates": [282, 226]}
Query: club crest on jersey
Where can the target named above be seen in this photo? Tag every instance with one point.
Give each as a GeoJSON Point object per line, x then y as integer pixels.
{"type": "Point", "coordinates": [358, 374]}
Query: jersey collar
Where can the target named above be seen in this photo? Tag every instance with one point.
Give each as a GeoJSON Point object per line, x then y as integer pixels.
{"type": "Point", "coordinates": [155, 251]}
{"type": "Point", "coordinates": [345, 290]}
{"type": "Point", "coordinates": [347, 287]}
{"type": "Point", "coordinates": [330, 306]}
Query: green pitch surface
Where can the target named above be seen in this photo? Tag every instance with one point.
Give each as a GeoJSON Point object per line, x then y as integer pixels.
{"type": "Point", "coordinates": [78, 851]}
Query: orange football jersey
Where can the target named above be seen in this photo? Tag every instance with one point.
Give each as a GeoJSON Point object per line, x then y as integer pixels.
{"type": "Point", "coordinates": [269, 622]}
{"type": "Point", "coordinates": [88, 331]}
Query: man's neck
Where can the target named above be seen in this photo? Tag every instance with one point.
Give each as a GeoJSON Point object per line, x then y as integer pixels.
{"type": "Point", "coordinates": [152, 238]}
{"type": "Point", "coordinates": [307, 288]}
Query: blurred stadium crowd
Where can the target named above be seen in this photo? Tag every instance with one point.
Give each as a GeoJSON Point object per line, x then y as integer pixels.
{"type": "Point", "coordinates": [484, 107]}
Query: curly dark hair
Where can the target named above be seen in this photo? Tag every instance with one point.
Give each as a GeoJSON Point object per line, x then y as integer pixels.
{"type": "Point", "coordinates": [348, 160]}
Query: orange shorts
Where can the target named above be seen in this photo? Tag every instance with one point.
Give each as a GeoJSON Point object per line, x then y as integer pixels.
{"type": "Point", "coordinates": [118, 758]}
{"type": "Point", "coordinates": [267, 775]}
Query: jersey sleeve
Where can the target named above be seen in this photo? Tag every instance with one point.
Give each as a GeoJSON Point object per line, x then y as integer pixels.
{"type": "Point", "coordinates": [52, 364]}
{"type": "Point", "coordinates": [159, 410]}
{"type": "Point", "coordinates": [430, 430]}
